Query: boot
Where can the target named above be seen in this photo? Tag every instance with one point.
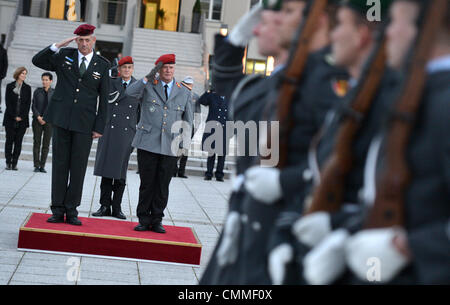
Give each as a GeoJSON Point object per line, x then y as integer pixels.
{"type": "Point", "coordinates": [102, 211]}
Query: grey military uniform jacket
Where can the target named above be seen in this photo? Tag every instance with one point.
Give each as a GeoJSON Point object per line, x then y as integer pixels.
{"type": "Point", "coordinates": [114, 147]}
{"type": "Point", "coordinates": [154, 131]}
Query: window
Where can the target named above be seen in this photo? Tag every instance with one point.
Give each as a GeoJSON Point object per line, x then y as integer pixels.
{"type": "Point", "coordinates": [212, 9]}
{"type": "Point", "coordinates": [255, 66]}
{"type": "Point", "coordinates": [113, 11]}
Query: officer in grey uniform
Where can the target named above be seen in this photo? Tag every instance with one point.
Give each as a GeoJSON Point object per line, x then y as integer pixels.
{"type": "Point", "coordinates": [114, 148]}
{"type": "Point", "coordinates": [163, 103]}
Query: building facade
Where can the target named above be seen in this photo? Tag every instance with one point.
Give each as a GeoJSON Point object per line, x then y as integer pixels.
{"type": "Point", "coordinates": [123, 26]}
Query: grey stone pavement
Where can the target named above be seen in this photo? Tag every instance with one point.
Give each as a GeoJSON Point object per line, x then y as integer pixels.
{"type": "Point", "coordinates": [193, 202]}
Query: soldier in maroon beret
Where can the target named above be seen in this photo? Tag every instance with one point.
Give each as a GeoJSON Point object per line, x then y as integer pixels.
{"type": "Point", "coordinates": [77, 112]}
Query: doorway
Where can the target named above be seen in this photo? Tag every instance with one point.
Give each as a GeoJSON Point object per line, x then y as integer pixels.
{"type": "Point", "coordinates": [108, 49]}
{"type": "Point", "coordinates": [160, 14]}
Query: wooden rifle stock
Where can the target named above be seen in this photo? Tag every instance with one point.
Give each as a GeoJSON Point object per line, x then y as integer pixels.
{"type": "Point", "coordinates": [294, 73]}
{"type": "Point", "coordinates": [328, 194]}
{"type": "Point", "coordinates": [388, 209]}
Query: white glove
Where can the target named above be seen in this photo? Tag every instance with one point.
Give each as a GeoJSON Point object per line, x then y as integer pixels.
{"type": "Point", "coordinates": [278, 258]}
{"type": "Point", "coordinates": [228, 249]}
{"type": "Point", "coordinates": [326, 262]}
{"type": "Point", "coordinates": [312, 229]}
{"type": "Point", "coordinates": [236, 182]}
{"type": "Point", "coordinates": [375, 245]}
{"type": "Point", "coordinates": [263, 184]}
{"type": "Point", "coordinates": [243, 30]}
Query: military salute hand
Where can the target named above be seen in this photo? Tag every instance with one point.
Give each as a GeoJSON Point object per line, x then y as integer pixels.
{"type": "Point", "coordinates": [65, 42]}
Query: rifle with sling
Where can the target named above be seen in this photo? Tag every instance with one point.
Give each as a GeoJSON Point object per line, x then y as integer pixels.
{"type": "Point", "coordinates": [388, 209]}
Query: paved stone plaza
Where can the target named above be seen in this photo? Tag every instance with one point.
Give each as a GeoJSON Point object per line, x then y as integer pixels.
{"type": "Point", "coordinates": [193, 202]}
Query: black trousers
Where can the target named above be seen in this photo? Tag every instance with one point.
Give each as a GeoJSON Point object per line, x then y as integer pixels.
{"type": "Point", "coordinates": [180, 170]}
{"type": "Point", "coordinates": [13, 143]}
{"type": "Point", "coordinates": [0, 94]}
{"type": "Point", "coordinates": [156, 172]}
{"type": "Point", "coordinates": [70, 156]}
{"type": "Point", "coordinates": [210, 166]}
{"type": "Point", "coordinates": [111, 193]}
{"type": "Point", "coordinates": [41, 134]}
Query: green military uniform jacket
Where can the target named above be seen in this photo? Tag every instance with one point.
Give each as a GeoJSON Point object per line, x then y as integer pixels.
{"type": "Point", "coordinates": [80, 102]}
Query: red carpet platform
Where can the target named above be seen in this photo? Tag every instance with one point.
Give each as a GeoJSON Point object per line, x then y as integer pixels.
{"type": "Point", "coordinates": [112, 238]}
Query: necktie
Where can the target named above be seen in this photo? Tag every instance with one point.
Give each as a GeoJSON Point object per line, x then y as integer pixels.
{"type": "Point", "coordinates": [165, 90]}
{"type": "Point", "coordinates": [125, 86]}
{"type": "Point", "coordinates": [83, 66]}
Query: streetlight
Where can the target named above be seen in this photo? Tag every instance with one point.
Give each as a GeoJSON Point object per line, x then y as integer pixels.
{"type": "Point", "coordinates": [223, 29]}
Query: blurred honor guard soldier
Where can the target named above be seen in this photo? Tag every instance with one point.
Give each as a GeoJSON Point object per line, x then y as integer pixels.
{"type": "Point", "coordinates": [188, 82]}
{"type": "Point", "coordinates": [114, 147]}
{"type": "Point", "coordinates": [42, 131]}
{"type": "Point", "coordinates": [3, 70]}
{"type": "Point", "coordinates": [163, 102]}
{"type": "Point", "coordinates": [77, 112]}
{"type": "Point", "coordinates": [217, 115]}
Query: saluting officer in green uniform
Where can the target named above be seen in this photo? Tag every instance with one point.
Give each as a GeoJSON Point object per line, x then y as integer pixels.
{"type": "Point", "coordinates": [77, 111]}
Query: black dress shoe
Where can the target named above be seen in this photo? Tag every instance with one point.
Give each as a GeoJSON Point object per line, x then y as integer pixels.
{"type": "Point", "coordinates": [37, 170]}
{"type": "Point", "coordinates": [208, 178]}
{"type": "Point", "coordinates": [140, 227]}
{"type": "Point", "coordinates": [182, 176]}
{"type": "Point", "coordinates": [158, 228]}
{"type": "Point", "coordinates": [8, 167]}
{"type": "Point", "coordinates": [219, 179]}
{"type": "Point", "coordinates": [102, 211]}
{"type": "Point", "coordinates": [55, 219]}
{"type": "Point", "coordinates": [73, 221]}
{"type": "Point", "coordinates": [119, 215]}
{"type": "Point", "coordinates": [14, 167]}
{"type": "Point", "coordinates": [42, 170]}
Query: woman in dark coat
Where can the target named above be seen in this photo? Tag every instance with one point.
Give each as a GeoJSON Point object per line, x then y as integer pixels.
{"type": "Point", "coordinates": [15, 120]}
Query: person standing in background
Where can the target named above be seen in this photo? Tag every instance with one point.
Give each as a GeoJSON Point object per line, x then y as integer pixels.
{"type": "Point", "coordinates": [188, 82]}
{"type": "Point", "coordinates": [42, 131]}
{"type": "Point", "coordinates": [218, 113]}
{"type": "Point", "coordinates": [15, 120]}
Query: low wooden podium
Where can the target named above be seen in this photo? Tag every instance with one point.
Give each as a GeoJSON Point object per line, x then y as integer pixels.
{"type": "Point", "coordinates": [109, 238]}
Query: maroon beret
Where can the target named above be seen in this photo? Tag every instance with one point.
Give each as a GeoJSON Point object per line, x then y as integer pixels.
{"type": "Point", "coordinates": [84, 30]}
{"type": "Point", "coordinates": [126, 60]}
{"type": "Point", "coordinates": [166, 59]}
